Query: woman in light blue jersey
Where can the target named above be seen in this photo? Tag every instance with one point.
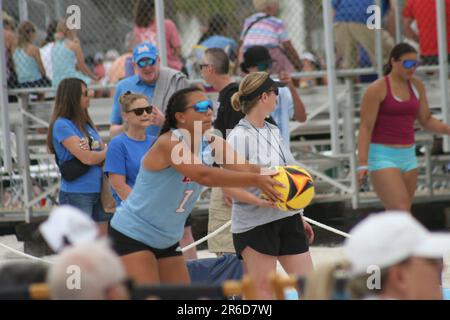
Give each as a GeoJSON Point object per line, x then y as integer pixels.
{"type": "Point", "coordinates": [147, 227]}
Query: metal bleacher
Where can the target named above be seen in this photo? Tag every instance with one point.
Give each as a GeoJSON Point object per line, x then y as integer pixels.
{"type": "Point", "coordinates": [335, 175]}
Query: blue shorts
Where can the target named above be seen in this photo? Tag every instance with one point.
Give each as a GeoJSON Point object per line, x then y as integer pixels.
{"type": "Point", "coordinates": [383, 157]}
{"type": "Point", "coordinates": [89, 203]}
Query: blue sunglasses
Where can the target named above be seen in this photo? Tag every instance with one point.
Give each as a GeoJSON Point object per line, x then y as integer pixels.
{"type": "Point", "coordinates": [408, 64]}
{"type": "Point", "coordinates": [146, 62]}
{"type": "Point", "coordinates": [202, 106]}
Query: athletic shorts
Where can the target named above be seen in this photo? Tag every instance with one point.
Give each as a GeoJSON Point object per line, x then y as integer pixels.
{"type": "Point", "coordinates": [124, 245]}
{"type": "Point", "coordinates": [277, 238]}
{"type": "Point", "coordinates": [383, 157]}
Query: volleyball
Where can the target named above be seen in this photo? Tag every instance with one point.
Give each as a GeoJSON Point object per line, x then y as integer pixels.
{"type": "Point", "coordinates": [299, 188]}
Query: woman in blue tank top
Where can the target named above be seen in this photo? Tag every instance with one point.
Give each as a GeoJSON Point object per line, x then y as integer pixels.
{"type": "Point", "coordinates": [148, 225]}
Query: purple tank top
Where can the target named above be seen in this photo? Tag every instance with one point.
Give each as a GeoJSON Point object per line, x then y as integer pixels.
{"type": "Point", "coordinates": [395, 120]}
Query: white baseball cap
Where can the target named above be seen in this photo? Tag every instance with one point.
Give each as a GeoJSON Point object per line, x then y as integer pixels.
{"type": "Point", "coordinates": [385, 239]}
{"type": "Point", "coordinates": [67, 223]}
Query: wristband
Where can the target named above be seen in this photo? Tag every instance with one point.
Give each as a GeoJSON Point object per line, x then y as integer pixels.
{"type": "Point", "coordinates": [361, 168]}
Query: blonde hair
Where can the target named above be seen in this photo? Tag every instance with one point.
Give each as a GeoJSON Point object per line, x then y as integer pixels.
{"type": "Point", "coordinates": [128, 98]}
{"type": "Point", "coordinates": [249, 84]}
{"type": "Point", "coordinates": [25, 31]}
{"type": "Point", "coordinates": [262, 5]}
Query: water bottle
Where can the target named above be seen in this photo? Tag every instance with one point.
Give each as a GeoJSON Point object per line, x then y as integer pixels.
{"type": "Point", "coordinates": [129, 67]}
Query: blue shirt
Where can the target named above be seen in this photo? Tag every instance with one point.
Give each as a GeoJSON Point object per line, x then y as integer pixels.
{"type": "Point", "coordinates": [284, 112]}
{"type": "Point", "coordinates": [352, 10]}
{"type": "Point", "coordinates": [217, 41]}
{"type": "Point", "coordinates": [136, 85]}
{"type": "Point", "coordinates": [89, 182]}
{"type": "Point", "coordinates": [124, 156]}
{"type": "Point", "coordinates": [156, 210]}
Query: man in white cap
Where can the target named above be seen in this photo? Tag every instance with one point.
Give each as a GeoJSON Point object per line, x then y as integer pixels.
{"type": "Point", "coordinates": [405, 257]}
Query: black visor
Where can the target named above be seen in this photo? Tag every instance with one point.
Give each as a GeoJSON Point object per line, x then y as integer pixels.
{"type": "Point", "coordinates": [266, 86]}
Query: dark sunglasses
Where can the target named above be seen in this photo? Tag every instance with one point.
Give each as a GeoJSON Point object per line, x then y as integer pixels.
{"type": "Point", "coordinates": [274, 90]}
{"type": "Point", "coordinates": [140, 111]}
{"type": "Point", "coordinates": [202, 106]}
{"type": "Point", "coordinates": [408, 64]}
{"type": "Point", "coordinates": [146, 62]}
{"type": "Point", "coordinates": [203, 65]}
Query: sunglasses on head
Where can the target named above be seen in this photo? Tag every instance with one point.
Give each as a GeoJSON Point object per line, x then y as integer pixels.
{"type": "Point", "coordinates": [202, 106]}
{"type": "Point", "coordinates": [408, 64]}
{"type": "Point", "coordinates": [140, 111]}
{"type": "Point", "coordinates": [146, 62]}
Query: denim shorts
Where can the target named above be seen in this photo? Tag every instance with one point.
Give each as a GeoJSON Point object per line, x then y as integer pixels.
{"type": "Point", "coordinates": [383, 157]}
{"type": "Point", "coordinates": [89, 203]}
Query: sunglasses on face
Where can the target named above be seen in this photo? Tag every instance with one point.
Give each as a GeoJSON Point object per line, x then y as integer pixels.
{"type": "Point", "coordinates": [274, 90]}
{"type": "Point", "coordinates": [146, 62]}
{"type": "Point", "coordinates": [140, 111]}
{"type": "Point", "coordinates": [202, 106]}
{"type": "Point", "coordinates": [203, 65]}
{"type": "Point", "coordinates": [409, 64]}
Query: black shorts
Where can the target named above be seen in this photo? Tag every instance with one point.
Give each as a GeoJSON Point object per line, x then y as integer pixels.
{"type": "Point", "coordinates": [277, 238]}
{"type": "Point", "coordinates": [188, 222]}
{"type": "Point", "coordinates": [124, 245]}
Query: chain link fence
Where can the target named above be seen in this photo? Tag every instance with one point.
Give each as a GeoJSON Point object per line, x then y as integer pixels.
{"type": "Point", "coordinates": [107, 30]}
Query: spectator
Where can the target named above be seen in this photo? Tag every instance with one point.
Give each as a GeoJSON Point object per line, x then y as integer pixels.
{"type": "Point", "coordinates": [424, 13]}
{"type": "Point", "coordinates": [215, 36]}
{"type": "Point", "coordinates": [310, 64]}
{"type": "Point", "coordinates": [264, 29]}
{"type": "Point", "coordinates": [69, 130]}
{"type": "Point", "coordinates": [289, 105]}
{"type": "Point", "coordinates": [145, 31]}
{"type": "Point", "coordinates": [102, 275]}
{"type": "Point", "coordinates": [27, 59]}
{"type": "Point", "coordinates": [156, 83]}
{"type": "Point", "coordinates": [47, 47]}
{"type": "Point", "coordinates": [68, 58]}
{"type": "Point", "coordinates": [407, 257]}
{"type": "Point", "coordinates": [118, 67]}
{"type": "Point", "coordinates": [126, 150]}
{"type": "Point", "coordinates": [351, 29]}
{"type": "Point", "coordinates": [10, 43]}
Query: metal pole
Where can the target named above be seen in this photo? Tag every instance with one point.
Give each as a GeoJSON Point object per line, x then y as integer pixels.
{"type": "Point", "coordinates": [160, 28]}
{"type": "Point", "coordinates": [4, 125]}
{"type": "Point", "coordinates": [331, 73]}
{"type": "Point", "coordinates": [379, 46]}
{"type": "Point", "coordinates": [349, 126]}
{"type": "Point", "coordinates": [23, 155]}
{"type": "Point", "coordinates": [398, 21]}
{"type": "Point", "coordinates": [23, 10]}
{"type": "Point", "coordinates": [443, 66]}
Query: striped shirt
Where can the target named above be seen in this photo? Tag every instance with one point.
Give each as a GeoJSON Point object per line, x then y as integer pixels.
{"type": "Point", "coordinates": [269, 32]}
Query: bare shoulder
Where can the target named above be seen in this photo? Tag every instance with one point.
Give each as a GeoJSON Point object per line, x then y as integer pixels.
{"type": "Point", "coordinates": [377, 90]}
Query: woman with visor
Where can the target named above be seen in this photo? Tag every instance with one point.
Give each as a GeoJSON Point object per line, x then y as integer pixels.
{"type": "Point", "coordinates": [147, 227]}
{"type": "Point", "coordinates": [262, 233]}
{"type": "Point", "coordinates": [386, 144]}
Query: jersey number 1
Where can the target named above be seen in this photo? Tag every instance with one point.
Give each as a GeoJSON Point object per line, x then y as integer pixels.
{"type": "Point", "coordinates": [187, 195]}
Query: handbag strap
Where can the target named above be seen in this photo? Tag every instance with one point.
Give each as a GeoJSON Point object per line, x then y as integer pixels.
{"type": "Point", "coordinates": [252, 24]}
